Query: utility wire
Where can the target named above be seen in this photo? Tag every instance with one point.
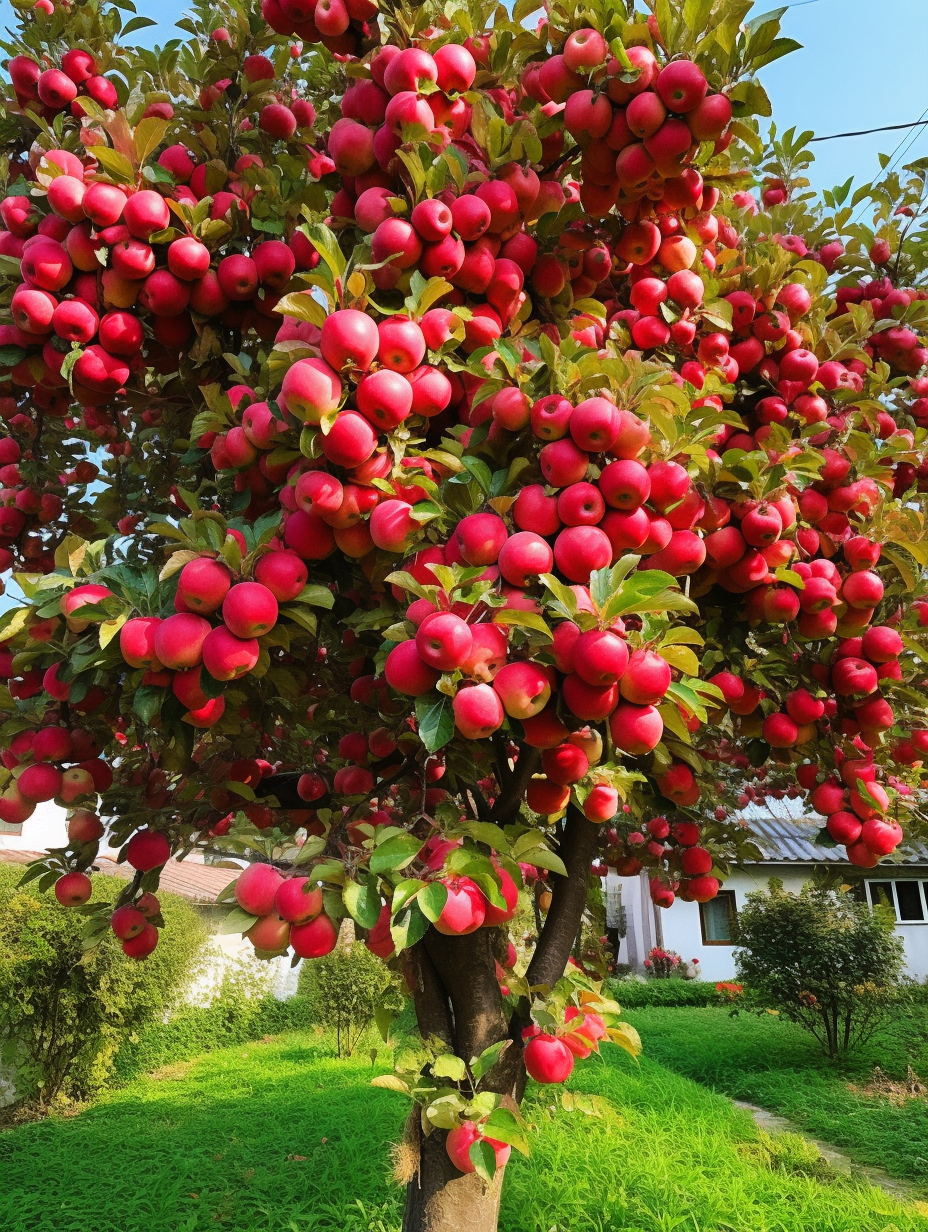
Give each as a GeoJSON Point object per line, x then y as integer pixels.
{"type": "Point", "coordinates": [889, 166]}
{"type": "Point", "coordinates": [863, 132]}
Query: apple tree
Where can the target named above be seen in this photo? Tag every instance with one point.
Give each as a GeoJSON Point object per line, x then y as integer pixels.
{"type": "Point", "coordinates": [449, 451]}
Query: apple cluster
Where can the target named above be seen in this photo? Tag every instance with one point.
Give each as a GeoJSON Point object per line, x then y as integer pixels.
{"type": "Point", "coordinates": [337, 24]}
{"type": "Point", "coordinates": [639, 124]}
{"type": "Point", "coordinates": [671, 850]}
{"type": "Point", "coordinates": [110, 258]}
{"type": "Point", "coordinates": [899, 346]}
{"type": "Point", "coordinates": [173, 651]}
{"type": "Point", "coordinates": [49, 91]}
{"type": "Point", "coordinates": [54, 762]}
{"type": "Point", "coordinates": [289, 913]}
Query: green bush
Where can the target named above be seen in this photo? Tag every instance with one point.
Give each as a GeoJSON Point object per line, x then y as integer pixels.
{"type": "Point", "coordinates": [346, 989]}
{"type": "Point", "coordinates": [64, 1012]}
{"type": "Point", "coordinates": [635, 994]}
{"type": "Point", "coordinates": [823, 960]}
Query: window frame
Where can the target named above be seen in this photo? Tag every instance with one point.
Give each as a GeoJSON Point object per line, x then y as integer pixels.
{"type": "Point", "coordinates": [732, 899]}
{"type": "Point", "coordinates": [921, 882]}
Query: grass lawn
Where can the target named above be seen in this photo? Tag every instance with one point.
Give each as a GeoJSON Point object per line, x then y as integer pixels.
{"type": "Point", "coordinates": [772, 1063]}
{"type": "Point", "coordinates": [281, 1137]}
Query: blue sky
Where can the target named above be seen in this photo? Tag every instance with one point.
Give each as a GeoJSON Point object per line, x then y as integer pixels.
{"type": "Point", "coordinates": [863, 64]}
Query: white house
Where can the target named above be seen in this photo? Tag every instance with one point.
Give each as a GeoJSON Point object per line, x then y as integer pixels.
{"type": "Point", "coordinates": [704, 931]}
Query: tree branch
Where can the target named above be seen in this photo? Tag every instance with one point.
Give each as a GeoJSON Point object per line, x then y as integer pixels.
{"type": "Point", "coordinates": [511, 796]}
{"type": "Point", "coordinates": [433, 1011]}
{"type": "Point", "coordinates": [568, 899]}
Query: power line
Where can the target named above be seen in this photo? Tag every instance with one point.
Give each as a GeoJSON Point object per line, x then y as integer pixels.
{"type": "Point", "coordinates": [863, 132]}
{"type": "Point", "coordinates": [889, 166]}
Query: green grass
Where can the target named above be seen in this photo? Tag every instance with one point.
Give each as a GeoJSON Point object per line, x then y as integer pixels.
{"type": "Point", "coordinates": [281, 1137]}
{"type": "Point", "coordinates": [771, 1063]}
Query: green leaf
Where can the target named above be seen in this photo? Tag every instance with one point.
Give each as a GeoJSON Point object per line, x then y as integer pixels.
{"type": "Point", "coordinates": [542, 857]}
{"type": "Point", "coordinates": [148, 134]}
{"type": "Point", "coordinates": [146, 702]}
{"type": "Point", "coordinates": [485, 832]}
{"type": "Point", "coordinates": [525, 620]}
{"type": "Point", "coordinates": [395, 853]}
{"type": "Point", "coordinates": [505, 1126]}
{"type": "Point", "coordinates": [317, 595]}
{"type": "Point", "coordinates": [326, 244]}
{"type": "Point", "coordinates": [483, 1157]}
{"type": "Point", "coordinates": [479, 470]}
{"type": "Point", "coordinates": [680, 657]}
{"type": "Point", "coordinates": [363, 902]}
{"type": "Point", "coordinates": [404, 892]}
{"type": "Point", "coordinates": [303, 306]}
{"type": "Point", "coordinates": [390, 1082]}
{"type": "Point", "coordinates": [115, 164]}
{"type": "Point", "coordinates": [237, 921]}
{"type": "Point", "coordinates": [408, 927]}
{"type": "Point", "coordinates": [485, 1062]}
{"type": "Point", "coordinates": [432, 900]}
{"type": "Point", "coordinates": [383, 1016]}
{"type": "Point", "coordinates": [449, 1066]}
{"type": "Point", "coordinates": [435, 718]}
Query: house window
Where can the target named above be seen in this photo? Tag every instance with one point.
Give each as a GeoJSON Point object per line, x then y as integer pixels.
{"type": "Point", "coordinates": [907, 899]}
{"type": "Point", "coordinates": [717, 918]}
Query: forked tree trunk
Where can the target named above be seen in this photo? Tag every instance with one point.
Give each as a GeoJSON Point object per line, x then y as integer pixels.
{"type": "Point", "coordinates": [457, 1000]}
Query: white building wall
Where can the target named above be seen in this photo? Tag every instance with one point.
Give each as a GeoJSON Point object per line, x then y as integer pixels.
{"type": "Point", "coordinates": [915, 939]}
{"type": "Point", "coordinates": [680, 925]}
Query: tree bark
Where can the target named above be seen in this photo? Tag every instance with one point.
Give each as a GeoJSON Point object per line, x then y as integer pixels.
{"type": "Point", "coordinates": [441, 1199]}
{"type": "Point", "coordinates": [457, 998]}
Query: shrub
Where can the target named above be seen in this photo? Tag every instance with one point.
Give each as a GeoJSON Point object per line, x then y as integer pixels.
{"type": "Point", "coordinates": [822, 959]}
{"type": "Point", "coordinates": [637, 994]}
{"type": "Point", "coordinates": [64, 1012]}
{"type": "Point", "coordinates": [347, 988]}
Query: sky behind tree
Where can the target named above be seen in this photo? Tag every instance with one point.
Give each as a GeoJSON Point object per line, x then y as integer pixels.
{"type": "Point", "coordinates": [862, 66]}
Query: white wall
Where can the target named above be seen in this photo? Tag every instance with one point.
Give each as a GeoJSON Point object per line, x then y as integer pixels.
{"type": "Point", "coordinates": [915, 939]}
{"type": "Point", "coordinates": [680, 927]}
{"type": "Point", "coordinates": [45, 828]}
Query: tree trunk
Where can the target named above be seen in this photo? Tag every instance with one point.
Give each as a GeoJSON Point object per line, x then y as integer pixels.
{"type": "Point", "coordinates": [441, 1199]}
{"type": "Point", "coordinates": [457, 999]}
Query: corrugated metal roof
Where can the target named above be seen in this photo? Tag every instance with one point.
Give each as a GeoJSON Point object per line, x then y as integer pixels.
{"type": "Point", "coordinates": [198, 883]}
{"type": "Point", "coordinates": [792, 841]}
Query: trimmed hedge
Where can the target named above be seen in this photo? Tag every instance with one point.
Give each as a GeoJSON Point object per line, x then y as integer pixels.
{"type": "Point", "coordinates": [634, 994]}
{"type": "Point", "coordinates": [197, 1029]}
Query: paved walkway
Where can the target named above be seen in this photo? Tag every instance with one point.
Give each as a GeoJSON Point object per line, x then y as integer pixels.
{"type": "Point", "coordinates": [774, 1124]}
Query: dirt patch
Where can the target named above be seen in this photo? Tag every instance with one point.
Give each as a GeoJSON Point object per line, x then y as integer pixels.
{"type": "Point", "coordinates": [881, 1086]}
{"type": "Point", "coordinates": [171, 1073]}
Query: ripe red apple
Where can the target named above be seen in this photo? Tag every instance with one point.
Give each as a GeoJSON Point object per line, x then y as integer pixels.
{"type": "Point", "coordinates": [256, 889]}
{"type": "Point", "coordinates": [646, 678]}
{"type": "Point", "coordinates": [478, 711]}
{"type": "Point", "coordinates": [270, 934]}
{"type": "Point", "coordinates": [73, 889]}
{"type": "Point", "coordinates": [524, 689]}
{"type": "Point", "coordinates": [462, 1137]}
{"type": "Point", "coordinates": [147, 850]}
{"type": "Point", "coordinates": [444, 641]}
{"type": "Point", "coordinates": [548, 1059]}
{"type": "Point", "coordinates": [127, 921]}
{"type": "Point", "coordinates": [406, 672]}
{"type": "Point", "coordinates": [249, 610]}
{"type": "Point", "coordinates": [465, 907]}
{"type": "Point", "coordinates": [84, 826]}
{"type": "Point", "coordinates": [144, 944]}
